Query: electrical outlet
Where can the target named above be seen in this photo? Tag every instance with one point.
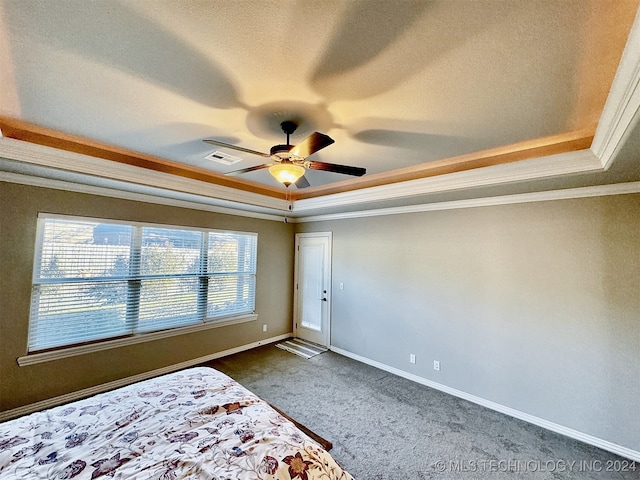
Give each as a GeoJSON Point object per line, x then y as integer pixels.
{"type": "Point", "coordinates": [436, 365]}
{"type": "Point", "coordinates": [412, 358]}
{"type": "Point", "coordinates": [341, 286]}
{"type": "Point", "coordinates": [264, 328]}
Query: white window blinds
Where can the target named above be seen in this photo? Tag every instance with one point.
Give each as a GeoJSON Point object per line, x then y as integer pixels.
{"type": "Point", "coordinates": [96, 280]}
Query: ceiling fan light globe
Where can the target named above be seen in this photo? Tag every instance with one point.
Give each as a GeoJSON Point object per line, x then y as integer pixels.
{"type": "Point", "coordinates": [286, 173]}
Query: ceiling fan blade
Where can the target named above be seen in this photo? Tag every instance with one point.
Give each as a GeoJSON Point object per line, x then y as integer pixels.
{"type": "Point", "coordinates": [310, 145]}
{"type": "Point", "coordinates": [235, 147]}
{"type": "Point", "coordinates": [248, 169]}
{"type": "Point", "coordinates": [333, 167]}
{"type": "Point", "coordinates": [302, 182]}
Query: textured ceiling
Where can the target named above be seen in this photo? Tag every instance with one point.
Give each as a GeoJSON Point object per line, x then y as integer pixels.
{"type": "Point", "coordinates": [395, 83]}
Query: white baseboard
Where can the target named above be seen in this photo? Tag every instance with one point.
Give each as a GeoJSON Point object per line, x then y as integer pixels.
{"type": "Point", "coordinates": [541, 422]}
{"type": "Point", "coordinates": [87, 392]}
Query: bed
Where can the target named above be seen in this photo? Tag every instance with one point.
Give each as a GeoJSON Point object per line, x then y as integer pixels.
{"type": "Point", "coordinates": [192, 424]}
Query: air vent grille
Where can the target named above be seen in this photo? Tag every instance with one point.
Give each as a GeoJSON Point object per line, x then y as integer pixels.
{"type": "Point", "coordinates": [223, 158]}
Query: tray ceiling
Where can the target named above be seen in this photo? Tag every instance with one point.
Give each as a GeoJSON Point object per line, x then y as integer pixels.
{"type": "Point", "coordinates": [408, 90]}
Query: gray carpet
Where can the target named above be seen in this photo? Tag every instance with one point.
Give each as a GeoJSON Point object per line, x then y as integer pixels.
{"type": "Point", "coordinates": [384, 427]}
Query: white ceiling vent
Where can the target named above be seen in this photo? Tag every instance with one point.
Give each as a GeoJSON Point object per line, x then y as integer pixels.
{"type": "Point", "coordinates": [223, 158]}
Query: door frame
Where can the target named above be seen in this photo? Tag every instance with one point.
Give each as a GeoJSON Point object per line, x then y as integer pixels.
{"type": "Point", "coordinates": [327, 274]}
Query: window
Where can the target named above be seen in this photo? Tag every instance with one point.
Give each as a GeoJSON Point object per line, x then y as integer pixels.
{"type": "Point", "coordinates": [96, 280]}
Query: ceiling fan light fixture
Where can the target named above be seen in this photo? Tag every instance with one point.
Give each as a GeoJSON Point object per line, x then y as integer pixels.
{"type": "Point", "coordinates": [289, 162]}
{"type": "Point", "coordinates": [286, 172]}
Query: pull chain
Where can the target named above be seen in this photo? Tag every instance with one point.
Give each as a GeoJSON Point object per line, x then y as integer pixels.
{"type": "Point", "coordinates": [289, 205]}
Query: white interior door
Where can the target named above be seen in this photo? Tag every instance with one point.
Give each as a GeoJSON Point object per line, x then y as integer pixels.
{"type": "Point", "coordinates": [312, 298]}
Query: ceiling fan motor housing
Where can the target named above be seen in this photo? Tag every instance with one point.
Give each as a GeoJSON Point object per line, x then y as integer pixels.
{"type": "Point", "coordinates": [281, 153]}
{"type": "Point", "coordinates": [281, 149]}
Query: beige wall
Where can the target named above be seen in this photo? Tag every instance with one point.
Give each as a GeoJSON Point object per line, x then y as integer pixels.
{"type": "Point", "coordinates": [535, 306]}
{"type": "Point", "coordinates": [19, 207]}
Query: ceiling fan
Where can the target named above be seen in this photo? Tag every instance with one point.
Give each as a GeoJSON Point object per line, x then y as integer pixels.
{"type": "Point", "coordinates": [290, 161]}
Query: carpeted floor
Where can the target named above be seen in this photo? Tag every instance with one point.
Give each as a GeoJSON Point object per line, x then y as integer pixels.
{"type": "Point", "coordinates": [384, 427]}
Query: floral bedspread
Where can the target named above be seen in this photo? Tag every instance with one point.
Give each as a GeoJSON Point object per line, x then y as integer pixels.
{"type": "Point", "coordinates": [193, 424]}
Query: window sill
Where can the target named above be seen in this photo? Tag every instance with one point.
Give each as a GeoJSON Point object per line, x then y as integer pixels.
{"type": "Point", "coordinates": [34, 358]}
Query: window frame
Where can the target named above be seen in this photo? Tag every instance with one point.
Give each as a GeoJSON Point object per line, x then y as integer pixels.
{"type": "Point", "coordinates": [138, 335]}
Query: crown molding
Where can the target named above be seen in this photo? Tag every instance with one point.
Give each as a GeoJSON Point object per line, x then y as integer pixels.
{"type": "Point", "coordinates": [622, 109]}
{"type": "Point", "coordinates": [44, 156]}
{"type": "Point", "coordinates": [161, 198]}
{"type": "Point", "coordinates": [39, 135]}
{"type": "Point", "coordinates": [550, 195]}
{"type": "Point", "coordinates": [525, 150]}
{"type": "Point", "coordinates": [545, 167]}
